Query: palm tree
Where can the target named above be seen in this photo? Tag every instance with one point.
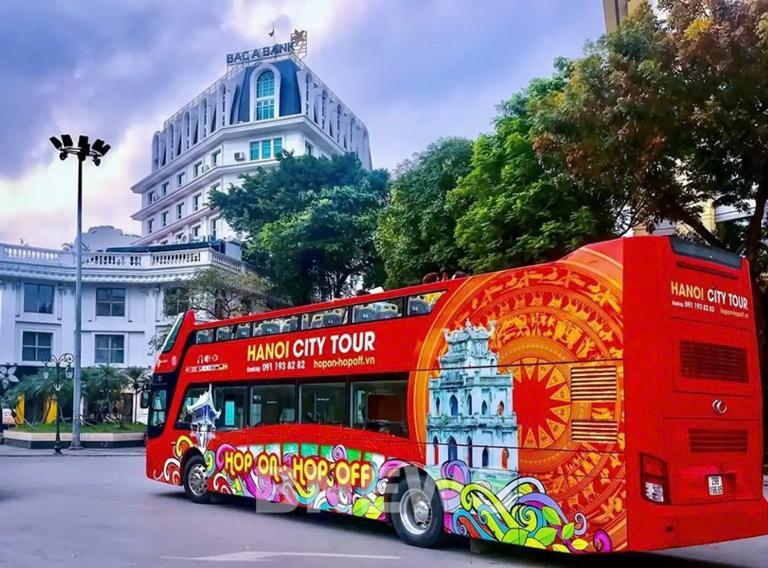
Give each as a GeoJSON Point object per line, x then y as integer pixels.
{"type": "Point", "coordinates": [139, 379]}
{"type": "Point", "coordinates": [41, 385]}
{"type": "Point", "coordinates": [103, 385]}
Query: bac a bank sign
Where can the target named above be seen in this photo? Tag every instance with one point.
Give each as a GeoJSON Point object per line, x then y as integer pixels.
{"type": "Point", "coordinates": [297, 45]}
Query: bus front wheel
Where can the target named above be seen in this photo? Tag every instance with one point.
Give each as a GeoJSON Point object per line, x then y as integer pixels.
{"type": "Point", "coordinates": [196, 480]}
{"type": "Point", "coordinates": [417, 512]}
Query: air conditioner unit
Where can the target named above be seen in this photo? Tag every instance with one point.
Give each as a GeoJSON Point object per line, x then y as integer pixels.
{"type": "Point", "coordinates": [184, 238]}
{"type": "Point", "coordinates": [239, 156]}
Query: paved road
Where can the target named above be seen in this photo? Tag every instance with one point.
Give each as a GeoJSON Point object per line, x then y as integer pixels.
{"type": "Point", "coordinates": [101, 511]}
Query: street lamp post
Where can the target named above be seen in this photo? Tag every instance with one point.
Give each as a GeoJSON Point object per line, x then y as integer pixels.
{"type": "Point", "coordinates": [82, 150]}
{"type": "Point", "coordinates": [61, 367]}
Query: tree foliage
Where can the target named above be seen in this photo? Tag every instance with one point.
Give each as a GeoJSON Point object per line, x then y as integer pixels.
{"type": "Point", "coordinates": [672, 113]}
{"type": "Point", "coordinates": [217, 293]}
{"type": "Point", "coordinates": [416, 230]}
{"type": "Point", "coordinates": [514, 207]}
{"type": "Point", "coordinates": [310, 223]}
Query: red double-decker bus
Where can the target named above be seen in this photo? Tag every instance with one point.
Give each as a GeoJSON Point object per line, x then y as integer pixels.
{"type": "Point", "coordinates": [607, 401]}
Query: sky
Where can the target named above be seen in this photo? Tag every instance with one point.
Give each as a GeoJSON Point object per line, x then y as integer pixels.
{"type": "Point", "coordinates": [412, 71]}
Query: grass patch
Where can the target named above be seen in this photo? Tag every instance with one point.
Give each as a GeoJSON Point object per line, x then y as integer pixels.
{"type": "Point", "coordinates": [107, 428]}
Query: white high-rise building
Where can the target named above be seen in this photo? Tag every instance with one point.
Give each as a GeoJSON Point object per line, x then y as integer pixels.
{"type": "Point", "coordinates": [265, 104]}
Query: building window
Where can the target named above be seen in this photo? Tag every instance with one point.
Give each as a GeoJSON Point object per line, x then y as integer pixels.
{"type": "Point", "coordinates": [265, 96]}
{"type": "Point", "coordinates": [266, 149]}
{"type": "Point", "coordinates": [196, 231]}
{"type": "Point", "coordinates": [453, 453]}
{"type": "Point", "coordinates": [110, 302]}
{"type": "Point", "coordinates": [179, 210]}
{"type": "Point", "coordinates": [196, 200]}
{"type": "Point", "coordinates": [38, 298]}
{"type": "Point", "coordinates": [110, 349]}
{"type": "Point", "coordinates": [164, 218]}
{"type": "Point", "coordinates": [36, 346]}
{"type": "Point", "coordinates": [198, 168]}
{"type": "Point", "coordinates": [152, 196]}
{"type": "Point", "coordinates": [164, 189]}
{"type": "Point", "coordinates": [180, 179]}
{"type": "Point", "coordinates": [150, 226]}
{"type": "Point", "coordinates": [216, 158]}
{"type": "Point", "coordinates": [309, 149]}
{"type": "Point", "coordinates": [180, 237]}
{"type": "Point", "coordinates": [214, 228]}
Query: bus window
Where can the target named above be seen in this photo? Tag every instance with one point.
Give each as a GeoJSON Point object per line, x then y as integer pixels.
{"type": "Point", "coordinates": [270, 327]}
{"type": "Point", "coordinates": [223, 333]}
{"type": "Point", "coordinates": [243, 330]}
{"type": "Point", "coordinates": [386, 309]}
{"type": "Point", "coordinates": [323, 403]}
{"type": "Point", "coordinates": [193, 393]}
{"type": "Point", "coordinates": [380, 406]}
{"type": "Point", "coordinates": [230, 402]}
{"type": "Point", "coordinates": [274, 404]}
{"type": "Point", "coordinates": [204, 336]}
{"type": "Point", "coordinates": [159, 407]}
{"type": "Point", "coordinates": [327, 318]}
{"type": "Point", "coordinates": [289, 324]}
{"type": "Point", "coordinates": [423, 303]}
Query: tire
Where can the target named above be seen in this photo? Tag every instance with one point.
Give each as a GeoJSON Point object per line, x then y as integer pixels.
{"type": "Point", "coordinates": [196, 480]}
{"type": "Point", "coordinates": [417, 511]}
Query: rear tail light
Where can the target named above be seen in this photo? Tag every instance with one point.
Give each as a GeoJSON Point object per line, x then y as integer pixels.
{"type": "Point", "coordinates": [654, 479]}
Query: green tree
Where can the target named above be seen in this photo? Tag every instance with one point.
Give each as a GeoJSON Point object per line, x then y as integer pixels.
{"type": "Point", "coordinates": [41, 387]}
{"type": "Point", "coordinates": [514, 207]}
{"type": "Point", "coordinates": [416, 230]}
{"type": "Point", "coordinates": [218, 293]}
{"type": "Point", "coordinates": [672, 113]}
{"type": "Point", "coordinates": [310, 223]}
{"type": "Point", "coordinates": [103, 387]}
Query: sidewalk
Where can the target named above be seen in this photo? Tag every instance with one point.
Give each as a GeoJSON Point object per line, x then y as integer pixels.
{"type": "Point", "coordinates": [7, 451]}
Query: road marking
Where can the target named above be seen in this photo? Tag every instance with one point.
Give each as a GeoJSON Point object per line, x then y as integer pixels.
{"type": "Point", "coordinates": [256, 556]}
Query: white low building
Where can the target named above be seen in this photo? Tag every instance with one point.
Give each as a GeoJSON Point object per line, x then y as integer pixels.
{"type": "Point", "coordinates": [262, 106]}
{"type": "Point", "coordinates": [122, 306]}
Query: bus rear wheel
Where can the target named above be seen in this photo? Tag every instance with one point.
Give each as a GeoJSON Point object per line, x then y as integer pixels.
{"type": "Point", "coordinates": [417, 512]}
{"type": "Point", "coordinates": [196, 480]}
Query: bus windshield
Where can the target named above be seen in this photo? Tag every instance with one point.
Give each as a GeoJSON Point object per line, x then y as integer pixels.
{"type": "Point", "coordinates": [172, 334]}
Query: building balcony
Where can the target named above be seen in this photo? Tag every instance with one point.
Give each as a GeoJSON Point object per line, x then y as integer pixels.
{"type": "Point", "coordinates": [473, 421]}
{"type": "Point", "coordinates": [158, 266]}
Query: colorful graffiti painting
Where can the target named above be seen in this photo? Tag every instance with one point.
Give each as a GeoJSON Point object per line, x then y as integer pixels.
{"type": "Point", "coordinates": [352, 482]}
{"type": "Point", "coordinates": [520, 512]}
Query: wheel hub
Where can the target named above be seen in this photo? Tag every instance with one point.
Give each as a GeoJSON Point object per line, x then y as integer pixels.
{"type": "Point", "coordinates": [415, 511]}
{"type": "Point", "coordinates": [197, 480]}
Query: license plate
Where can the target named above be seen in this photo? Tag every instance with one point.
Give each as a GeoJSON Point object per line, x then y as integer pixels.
{"type": "Point", "coordinates": [715, 484]}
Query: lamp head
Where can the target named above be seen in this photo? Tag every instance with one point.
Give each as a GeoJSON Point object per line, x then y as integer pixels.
{"type": "Point", "coordinates": [56, 142]}
{"type": "Point", "coordinates": [66, 140]}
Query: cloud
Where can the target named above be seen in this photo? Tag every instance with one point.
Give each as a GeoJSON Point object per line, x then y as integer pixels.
{"type": "Point", "coordinates": [413, 71]}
